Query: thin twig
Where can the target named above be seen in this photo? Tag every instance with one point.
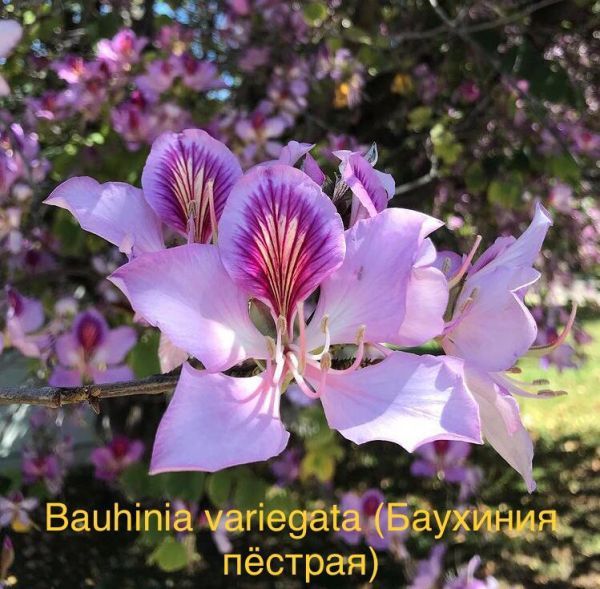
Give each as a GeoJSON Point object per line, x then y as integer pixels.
{"type": "Point", "coordinates": [55, 397]}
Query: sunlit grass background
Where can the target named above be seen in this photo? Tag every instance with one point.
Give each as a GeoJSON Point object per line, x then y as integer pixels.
{"type": "Point", "coordinates": [578, 412]}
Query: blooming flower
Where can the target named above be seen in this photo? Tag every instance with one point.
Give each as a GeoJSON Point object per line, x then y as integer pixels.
{"type": "Point", "coordinates": [367, 506]}
{"type": "Point", "coordinates": [10, 35]}
{"type": "Point", "coordinates": [24, 320]}
{"type": "Point", "coordinates": [279, 239]}
{"type": "Point", "coordinates": [490, 328]}
{"type": "Point", "coordinates": [92, 352]}
{"type": "Point", "coordinates": [442, 458]}
{"type": "Point", "coordinates": [123, 49]}
{"type": "Point", "coordinates": [14, 512]}
{"type": "Point", "coordinates": [111, 460]}
{"type": "Point", "coordinates": [45, 468]}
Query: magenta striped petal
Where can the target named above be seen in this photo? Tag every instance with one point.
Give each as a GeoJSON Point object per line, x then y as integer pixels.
{"type": "Point", "coordinates": [184, 172]}
{"type": "Point", "coordinates": [280, 236]}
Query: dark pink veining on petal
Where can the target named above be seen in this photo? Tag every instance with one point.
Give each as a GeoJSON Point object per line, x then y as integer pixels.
{"type": "Point", "coordinates": [280, 236]}
{"type": "Point", "coordinates": [186, 174]}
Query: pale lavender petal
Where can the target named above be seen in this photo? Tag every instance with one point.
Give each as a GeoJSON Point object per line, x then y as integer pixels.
{"type": "Point", "coordinates": [216, 421]}
{"type": "Point", "coordinates": [426, 302]}
{"type": "Point", "coordinates": [313, 171]}
{"type": "Point", "coordinates": [280, 236]}
{"type": "Point", "coordinates": [293, 151]}
{"type": "Point", "coordinates": [195, 303]}
{"type": "Point", "coordinates": [364, 183]}
{"type": "Point", "coordinates": [495, 329]}
{"type": "Point", "coordinates": [423, 468]}
{"type": "Point", "coordinates": [501, 424]}
{"type": "Point", "coordinates": [371, 289]}
{"type": "Point", "coordinates": [406, 399]}
{"type": "Point", "coordinates": [183, 174]}
{"type": "Point", "coordinates": [63, 377]}
{"type": "Point", "coordinates": [117, 345]}
{"type": "Point", "coordinates": [526, 248]}
{"type": "Point", "coordinates": [29, 311]}
{"type": "Point", "coordinates": [115, 211]}
{"type": "Point", "coordinates": [68, 350]}
{"type": "Point", "coordinates": [112, 374]}
{"type": "Point", "coordinates": [169, 355]}
{"type": "Point", "coordinates": [10, 34]}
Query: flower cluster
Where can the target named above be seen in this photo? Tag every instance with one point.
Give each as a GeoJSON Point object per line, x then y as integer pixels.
{"type": "Point", "coordinates": [275, 279]}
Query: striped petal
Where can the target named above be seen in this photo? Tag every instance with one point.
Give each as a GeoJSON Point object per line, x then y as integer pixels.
{"type": "Point", "coordinates": [187, 179]}
{"type": "Point", "coordinates": [280, 236]}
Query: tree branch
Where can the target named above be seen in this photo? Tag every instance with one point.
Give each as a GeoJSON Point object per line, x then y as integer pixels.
{"type": "Point", "coordinates": [55, 397]}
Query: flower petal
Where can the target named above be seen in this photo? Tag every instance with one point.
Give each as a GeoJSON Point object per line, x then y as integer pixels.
{"type": "Point", "coordinates": [63, 377]}
{"type": "Point", "coordinates": [115, 211]}
{"type": "Point", "coordinates": [293, 151]}
{"type": "Point", "coordinates": [501, 424]}
{"type": "Point", "coordinates": [371, 288]}
{"type": "Point", "coordinates": [10, 34]}
{"type": "Point", "coordinates": [524, 250]}
{"type": "Point", "coordinates": [68, 349]}
{"type": "Point", "coordinates": [195, 303]}
{"type": "Point", "coordinates": [280, 236]}
{"type": "Point", "coordinates": [495, 329]}
{"type": "Point", "coordinates": [118, 343]}
{"type": "Point", "coordinates": [112, 374]}
{"type": "Point", "coordinates": [169, 355]}
{"type": "Point", "coordinates": [183, 173]}
{"type": "Point", "coordinates": [216, 421]}
{"type": "Point", "coordinates": [366, 185]}
{"type": "Point", "coordinates": [406, 399]}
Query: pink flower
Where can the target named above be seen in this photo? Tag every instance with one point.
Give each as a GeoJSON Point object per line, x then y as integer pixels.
{"type": "Point", "coordinates": [24, 320]}
{"type": "Point", "coordinates": [15, 510]}
{"type": "Point", "coordinates": [10, 34]}
{"type": "Point", "coordinates": [442, 458]}
{"type": "Point", "coordinates": [111, 460]}
{"type": "Point", "coordinates": [123, 49]}
{"type": "Point", "coordinates": [197, 74]}
{"type": "Point", "coordinates": [368, 507]}
{"type": "Point", "coordinates": [469, 91]}
{"type": "Point", "coordinates": [45, 468]}
{"type": "Point", "coordinates": [92, 352]}
{"type": "Point", "coordinates": [279, 240]}
{"type": "Point", "coordinates": [491, 329]}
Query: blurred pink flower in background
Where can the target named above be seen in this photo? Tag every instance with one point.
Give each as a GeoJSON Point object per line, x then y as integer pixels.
{"type": "Point", "coordinates": [92, 352]}
{"type": "Point", "coordinates": [111, 460]}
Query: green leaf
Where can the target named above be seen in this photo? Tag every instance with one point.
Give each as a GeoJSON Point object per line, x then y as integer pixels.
{"type": "Point", "coordinates": [565, 168]}
{"type": "Point", "coordinates": [419, 118]}
{"type": "Point", "coordinates": [315, 13]}
{"type": "Point", "coordinates": [505, 193]}
{"type": "Point", "coordinates": [170, 556]}
{"type": "Point", "coordinates": [249, 492]}
{"type": "Point", "coordinates": [219, 487]}
{"type": "Point", "coordinates": [144, 356]}
{"type": "Point", "coordinates": [188, 486]}
{"type": "Point", "coordinates": [138, 484]}
{"type": "Point", "coordinates": [475, 178]}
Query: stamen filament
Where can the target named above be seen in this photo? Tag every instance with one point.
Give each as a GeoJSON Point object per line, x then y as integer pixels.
{"type": "Point", "coordinates": [360, 342]}
{"type": "Point", "coordinates": [292, 364]}
{"type": "Point", "coordinates": [538, 351]}
{"type": "Point", "coordinates": [465, 266]}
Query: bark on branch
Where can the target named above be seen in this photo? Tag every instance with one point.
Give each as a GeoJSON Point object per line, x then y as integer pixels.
{"type": "Point", "coordinates": [55, 397]}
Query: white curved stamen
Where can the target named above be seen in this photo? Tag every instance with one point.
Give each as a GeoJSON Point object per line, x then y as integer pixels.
{"type": "Point", "coordinates": [465, 265]}
{"type": "Point", "coordinates": [292, 363]}
{"type": "Point", "coordinates": [360, 351]}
